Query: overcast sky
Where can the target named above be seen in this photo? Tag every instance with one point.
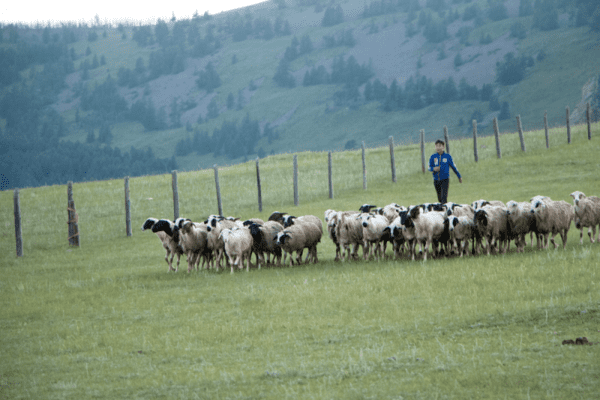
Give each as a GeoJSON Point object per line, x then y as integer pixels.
{"type": "Point", "coordinates": [30, 12]}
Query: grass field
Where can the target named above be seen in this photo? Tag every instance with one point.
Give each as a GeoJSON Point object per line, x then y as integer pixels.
{"type": "Point", "coordinates": [107, 321]}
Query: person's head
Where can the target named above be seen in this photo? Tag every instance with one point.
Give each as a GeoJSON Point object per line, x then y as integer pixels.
{"type": "Point", "coordinates": [440, 146]}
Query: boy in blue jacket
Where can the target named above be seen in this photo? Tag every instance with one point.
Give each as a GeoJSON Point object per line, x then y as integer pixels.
{"type": "Point", "coordinates": [440, 164]}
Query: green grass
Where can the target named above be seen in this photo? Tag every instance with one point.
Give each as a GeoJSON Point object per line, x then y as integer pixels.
{"type": "Point", "coordinates": [107, 321]}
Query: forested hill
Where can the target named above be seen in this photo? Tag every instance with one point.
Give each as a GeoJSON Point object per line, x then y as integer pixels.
{"type": "Point", "coordinates": [97, 101]}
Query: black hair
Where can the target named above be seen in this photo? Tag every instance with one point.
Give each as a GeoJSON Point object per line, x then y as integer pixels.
{"type": "Point", "coordinates": [440, 141]}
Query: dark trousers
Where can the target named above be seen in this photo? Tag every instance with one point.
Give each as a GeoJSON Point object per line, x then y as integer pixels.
{"type": "Point", "coordinates": [441, 187]}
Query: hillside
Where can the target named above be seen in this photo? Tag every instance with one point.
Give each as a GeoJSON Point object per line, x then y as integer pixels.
{"type": "Point", "coordinates": [202, 91]}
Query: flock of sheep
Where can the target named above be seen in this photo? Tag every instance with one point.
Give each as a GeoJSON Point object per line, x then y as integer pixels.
{"type": "Point", "coordinates": [443, 229]}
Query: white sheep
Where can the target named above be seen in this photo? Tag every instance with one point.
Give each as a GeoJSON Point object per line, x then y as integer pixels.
{"type": "Point", "coordinates": [238, 246]}
{"type": "Point", "coordinates": [313, 229]}
{"type": "Point", "coordinates": [521, 223]}
{"type": "Point", "coordinates": [215, 225]}
{"type": "Point", "coordinates": [193, 240]}
{"type": "Point", "coordinates": [478, 204]}
{"type": "Point", "coordinates": [552, 218]}
{"type": "Point", "coordinates": [428, 227]}
{"type": "Point", "coordinates": [587, 214]}
{"type": "Point", "coordinates": [168, 234]}
{"type": "Point", "coordinates": [349, 232]}
{"type": "Point", "coordinates": [331, 220]}
{"type": "Point", "coordinates": [373, 227]}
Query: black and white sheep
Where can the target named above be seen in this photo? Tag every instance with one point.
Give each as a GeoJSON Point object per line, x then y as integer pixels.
{"type": "Point", "coordinates": [373, 226]}
{"type": "Point", "coordinates": [461, 232]}
{"type": "Point", "coordinates": [264, 240]}
{"type": "Point", "coordinates": [193, 240]}
{"type": "Point", "coordinates": [349, 232]}
{"type": "Point", "coordinates": [491, 222]}
{"type": "Point", "coordinates": [428, 228]}
{"type": "Point", "coordinates": [296, 238]}
{"type": "Point", "coordinates": [521, 223]}
{"type": "Point", "coordinates": [168, 233]}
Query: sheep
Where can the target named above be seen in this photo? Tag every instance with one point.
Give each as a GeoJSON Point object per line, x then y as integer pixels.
{"type": "Point", "coordinates": [215, 226]}
{"type": "Point", "coordinates": [587, 212]}
{"type": "Point", "coordinates": [478, 204]}
{"type": "Point", "coordinates": [293, 239]}
{"type": "Point", "coordinates": [461, 231]}
{"type": "Point", "coordinates": [552, 217]}
{"type": "Point", "coordinates": [408, 232]}
{"type": "Point", "coordinates": [373, 226]}
{"type": "Point", "coordinates": [168, 234]}
{"type": "Point", "coordinates": [392, 211]}
{"type": "Point", "coordinates": [238, 246]}
{"type": "Point", "coordinates": [251, 221]}
{"type": "Point", "coordinates": [460, 210]}
{"type": "Point", "coordinates": [521, 223]}
{"type": "Point", "coordinates": [396, 236]}
{"type": "Point", "coordinates": [263, 241]}
{"type": "Point", "coordinates": [331, 219]}
{"type": "Point", "coordinates": [491, 222]}
{"type": "Point", "coordinates": [349, 232]}
{"type": "Point", "coordinates": [277, 216]}
{"type": "Point", "coordinates": [366, 208]}
{"type": "Point", "coordinates": [428, 227]}
{"type": "Point", "coordinates": [193, 240]}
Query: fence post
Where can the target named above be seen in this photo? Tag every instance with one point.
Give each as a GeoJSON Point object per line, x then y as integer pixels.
{"type": "Point", "coordinates": [73, 217]}
{"type": "Point", "coordinates": [423, 150]}
{"type": "Point", "coordinates": [520, 129]}
{"type": "Point", "coordinates": [18, 229]}
{"type": "Point", "coordinates": [497, 136]}
{"type": "Point", "coordinates": [258, 187]}
{"type": "Point", "coordinates": [568, 125]}
{"type": "Point", "coordinates": [296, 199]}
{"type": "Point", "coordinates": [127, 208]}
{"type": "Point", "coordinates": [588, 119]}
{"type": "Point", "coordinates": [364, 167]}
{"type": "Point", "coordinates": [446, 139]}
{"type": "Point", "coordinates": [218, 189]}
{"type": "Point", "coordinates": [546, 129]}
{"type": "Point", "coordinates": [330, 174]}
{"type": "Point", "coordinates": [175, 195]}
{"type": "Point", "coordinates": [475, 140]}
{"type": "Point", "coordinates": [392, 159]}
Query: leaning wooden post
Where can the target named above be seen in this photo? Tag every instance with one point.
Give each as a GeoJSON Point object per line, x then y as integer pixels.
{"type": "Point", "coordinates": [392, 159]}
{"type": "Point", "coordinates": [219, 205]}
{"type": "Point", "coordinates": [73, 217]}
{"type": "Point", "coordinates": [364, 167]}
{"type": "Point", "coordinates": [296, 199]}
{"type": "Point", "coordinates": [175, 195]}
{"type": "Point", "coordinates": [546, 129]}
{"type": "Point", "coordinates": [520, 129]}
{"type": "Point", "coordinates": [127, 208]}
{"type": "Point", "coordinates": [588, 111]}
{"type": "Point", "coordinates": [568, 125]}
{"type": "Point", "coordinates": [497, 136]}
{"type": "Point", "coordinates": [18, 229]}
{"type": "Point", "coordinates": [423, 150]}
{"type": "Point", "coordinates": [258, 187]}
{"type": "Point", "coordinates": [446, 139]}
{"type": "Point", "coordinates": [330, 174]}
{"type": "Point", "coordinates": [475, 140]}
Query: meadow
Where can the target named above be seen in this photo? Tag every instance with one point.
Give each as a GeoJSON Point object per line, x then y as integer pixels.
{"type": "Point", "coordinates": [106, 320]}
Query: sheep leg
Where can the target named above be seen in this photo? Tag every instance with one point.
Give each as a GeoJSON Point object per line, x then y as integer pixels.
{"type": "Point", "coordinates": [563, 236]}
{"type": "Point", "coordinates": [552, 240]}
{"type": "Point", "coordinates": [593, 233]}
{"type": "Point", "coordinates": [426, 249]}
{"type": "Point", "coordinates": [337, 252]}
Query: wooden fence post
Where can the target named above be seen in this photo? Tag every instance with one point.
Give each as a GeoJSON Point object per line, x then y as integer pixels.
{"type": "Point", "coordinates": [73, 217]}
{"type": "Point", "coordinates": [127, 208]}
{"type": "Point", "coordinates": [446, 139]}
{"type": "Point", "coordinates": [568, 125]}
{"type": "Point", "coordinates": [423, 150]}
{"type": "Point", "coordinates": [219, 205]}
{"type": "Point", "coordinates": [475, 140]}
{"type": "Point", "coordinates": [296, 199]}
{"type": "Point", "coordinates": [546, 129]}
{"type": "Point", "coordinates": [364, 163]}
{"type": "Point", "coordinates": [520, 129]}
{"type": "Point", "coordinates": [497, 136]}
{"type": "Point", "coordinates": [175, 195]}
{"type": "Point", "coordinates": [258, 186]}
{"type": "Point", "coordinates": [588, 117]}
{"type": "Point", "coordinates": [18, 229]}
{"type": "Point", "coordinates": [330, 174]}
{"type": "Point", "coordinates": [392, 159]}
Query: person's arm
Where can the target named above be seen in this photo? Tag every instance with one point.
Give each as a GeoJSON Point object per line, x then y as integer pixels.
{"type": "Point", "coordinates": [454, 169]}
{"type": "Point", "coordinates": [431, 164]}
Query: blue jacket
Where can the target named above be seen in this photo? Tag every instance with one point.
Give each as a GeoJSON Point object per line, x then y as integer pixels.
{"type": "Point", "coordinates": [445, 161]}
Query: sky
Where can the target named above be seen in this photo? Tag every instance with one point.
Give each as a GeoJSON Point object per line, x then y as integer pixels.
{"type": "Point", "coordinates": [30, 12]}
